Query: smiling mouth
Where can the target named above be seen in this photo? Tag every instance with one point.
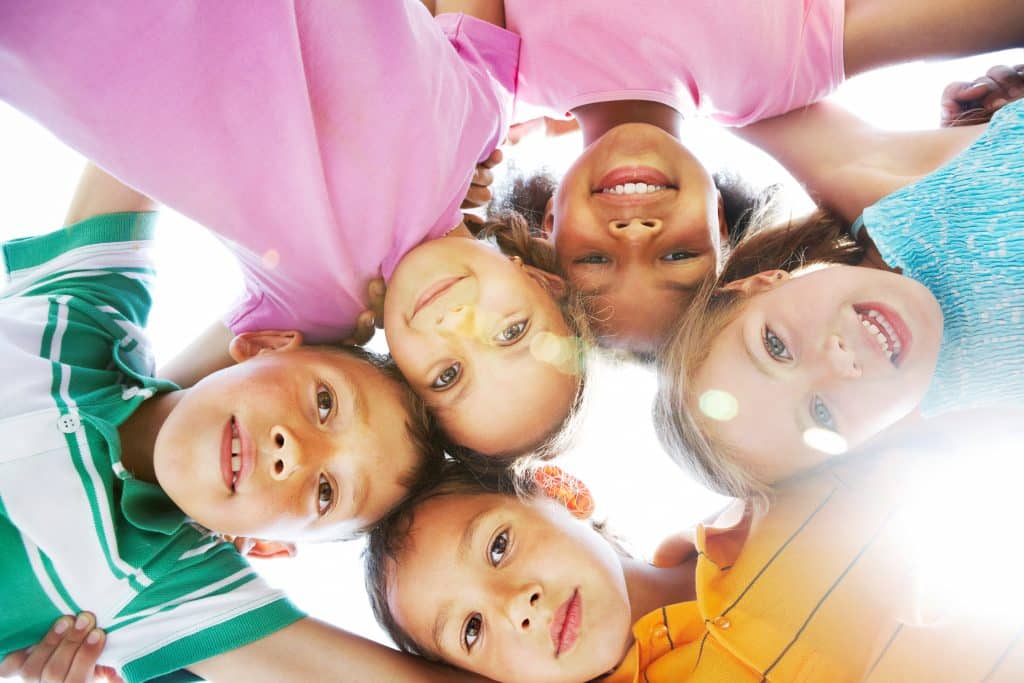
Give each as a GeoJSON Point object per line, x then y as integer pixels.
{"type": "Point", "coordinates": [633, 181]}
{"type": "Point", "coordinates": [433, 292]}
{"type": "Point", "coordinates": [565, 625]}
{"type": "Point", "coordinates": [886, 329]}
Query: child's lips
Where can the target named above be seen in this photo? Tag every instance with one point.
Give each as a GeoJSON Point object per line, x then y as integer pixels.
{"type": "Point", "coordinates": [565, 625]}
{"type": "Point", "coordinates": [233, 431]}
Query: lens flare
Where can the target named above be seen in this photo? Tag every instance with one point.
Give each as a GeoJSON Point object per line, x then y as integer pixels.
{"type": "Point", "coordinates": [719, 405]}
{"type": "Point", "coordinates": [825, 440]}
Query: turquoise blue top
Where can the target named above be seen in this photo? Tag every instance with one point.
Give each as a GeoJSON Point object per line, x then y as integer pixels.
{"type": "Point", "coordinates": [960, 232]}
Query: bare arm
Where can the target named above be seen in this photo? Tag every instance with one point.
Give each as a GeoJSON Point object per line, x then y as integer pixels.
{"type": "Point", "coordinates": [310, 650]}
{"type": "Point", "coordinates": [99, 193]}
{"type": "Point", "coordinates": [845, 163]}
{"type": "Point", "coordinates": [880, 32]}
{"type": "Point", "coordinates": [207, 353]}
{"type": "Point", "coordinates": [492, 11]}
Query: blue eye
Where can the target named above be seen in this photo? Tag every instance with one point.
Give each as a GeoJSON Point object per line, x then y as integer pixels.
{"type": "Point", "coordinates": [774, 345]}
{"type": "Point", "coordinates": [821, 415]}
{"type": "Point", "coordinates": [499, 546]}
{"type": "Point", "coordinates": [592, 259]}
{"type": "Point", "coordinates": [677, 256]}
{"type": "Point", "coordinates": [447, 377]}
{"type": "Point", "coordinates": [471, 631]}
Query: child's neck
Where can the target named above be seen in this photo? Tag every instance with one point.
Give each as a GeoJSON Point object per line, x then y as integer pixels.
{"type": "Point", "coordinates": [597, 119]}
{"type": "Point", "coordinates": [652, 587]}
{"type": "Point", "coordinates": [138, 433]}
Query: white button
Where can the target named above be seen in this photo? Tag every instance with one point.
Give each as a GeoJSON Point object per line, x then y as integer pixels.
{"type": "Point", "coordinates": [69, 423]}
{"type": "Point", "coordinates": [722, 622]}
{"type": "Point", "coordinates": [130, 392]}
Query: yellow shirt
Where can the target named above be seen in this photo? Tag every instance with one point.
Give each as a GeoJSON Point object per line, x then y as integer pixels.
{"type": "Point", "coordinates": [818, 588]}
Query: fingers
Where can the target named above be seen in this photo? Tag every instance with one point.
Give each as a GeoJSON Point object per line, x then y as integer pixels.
{"type": "Point", "coordinates": [12, 663]}
{"type": "Point", "coordinates": [376, 292]}
{"type": "Point", "coordinates": [68, 652]}
{"type": "Point", "coordinates": [975, 102]}
{"type": "Point", "coordinates": [493, 160]}
{"type": "Point", "coordinates": [364, 329]}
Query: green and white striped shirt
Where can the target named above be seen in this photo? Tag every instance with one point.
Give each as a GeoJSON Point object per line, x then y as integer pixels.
{"type": "Point", "coordinates": [77, 531]}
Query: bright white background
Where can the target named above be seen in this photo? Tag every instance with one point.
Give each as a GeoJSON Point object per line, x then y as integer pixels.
{"type": "Point", "coordinates": [635, 485]}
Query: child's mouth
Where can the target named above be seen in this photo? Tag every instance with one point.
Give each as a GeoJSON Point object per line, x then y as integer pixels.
{"type": "Point", "coordinates": [232, 455]}
{"type": "Point", "coordinates": [886, 329]}
{"type": "Point", "coordinates": [565, 625]}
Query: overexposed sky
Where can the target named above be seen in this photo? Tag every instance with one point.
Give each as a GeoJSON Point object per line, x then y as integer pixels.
{"type": "Point", "coordinates": [635, 485]}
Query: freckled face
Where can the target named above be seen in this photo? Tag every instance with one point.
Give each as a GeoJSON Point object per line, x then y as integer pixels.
{"type": "Point", "coordinates": [513, 590]}
{"type": "Point", "coordinates": [321, 443]}
{"type": "Point", "coordinates": [469, 328]}
{"type": "Point", "coordinates": [839, 352]}
{"type": "Point", "coordinates": [636, 224]}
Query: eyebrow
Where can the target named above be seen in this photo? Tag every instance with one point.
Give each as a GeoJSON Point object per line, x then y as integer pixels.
{"type": "Point", "coordinates": [461, 552]}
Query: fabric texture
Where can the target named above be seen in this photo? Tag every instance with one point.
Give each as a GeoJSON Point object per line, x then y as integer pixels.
{"type": "Point", "coordinates": [737, 62]}
{"type": "Point", "coordinates": [320, 140]}
{"type": "Point", "coordinates": [78, 531]}
{"type": "Point", "coordinates": [960, 232]}
{"type": "Point", "coordinates": [826, 585]}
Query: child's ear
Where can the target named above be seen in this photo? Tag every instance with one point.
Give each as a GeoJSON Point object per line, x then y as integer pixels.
{"type": "Point", "coordinates": [723, 223]}
{"type": "Point", "coordinates": [761, 282]}
{"type": "Point", "coordinates": [249, 344]}
{"type": "Point", "coordinates": [547, 225]}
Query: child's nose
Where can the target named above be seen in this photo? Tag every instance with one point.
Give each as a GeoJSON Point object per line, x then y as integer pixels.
{"type": "Point", "coordinates": [285, 453]}
{"type": "Point", "coordinates": [841, 360]}
{"type": "Point", "coordinates": [523, 608]}
{"type": "Point", "coordinates": [635, 230]}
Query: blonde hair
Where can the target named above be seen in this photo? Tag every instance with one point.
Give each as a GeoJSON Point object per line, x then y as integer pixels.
{"type": "Point", "coordinates": [684, 432]}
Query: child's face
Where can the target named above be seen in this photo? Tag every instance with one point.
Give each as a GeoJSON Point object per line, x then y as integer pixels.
{"type": "Point", "coordinates": [642, 251]}
{"type": "Point", "coordinates": [841, 351]}
{"type": "Point", "coordinates": [513, 590]}
{"type": "Point", "coordinates": [473, 332]}
{"type": "Point", "coordinates": [322, 445]}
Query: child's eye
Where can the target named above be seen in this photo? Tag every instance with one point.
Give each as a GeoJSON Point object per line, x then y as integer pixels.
{"type": "Point", "coordinates": [499, 546]}
{"type": "Point", "coordinates": [447, 377]}
{"type": "Point", "coordinates": [471, 631]}
{"type": "Point", "coordinates": [592, 259]}
{"type": "Point", "coordinates": [677, 256]}
{"type": "Point", "coordinates": [513, 332]}
{"type": "Point", "coordinates": [775, 347]}
{"type": "Point", "coordinates": [324, 495]}
{"type": "Point", "coordinates": [324, 403]}
{"type": "Point", "coordinates": [821, 415]}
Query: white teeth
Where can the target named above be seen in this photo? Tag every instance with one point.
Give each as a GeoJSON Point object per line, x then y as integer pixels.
{"type": "Point", "coordinates": [236, 445]}
{"type": "Point", "coordinates": [875, 323]}
{"type": "Point", "coordinates": [633, 188]}
{"type": "Point", "coordinates": [236, 463]}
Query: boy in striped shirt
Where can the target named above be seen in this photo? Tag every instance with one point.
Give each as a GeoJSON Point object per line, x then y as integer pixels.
{"type": "Point", "coordinates": [100, 461]}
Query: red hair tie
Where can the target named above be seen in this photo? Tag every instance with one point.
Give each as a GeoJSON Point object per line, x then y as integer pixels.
{"type": "Point", "coordinates": [566, 489]}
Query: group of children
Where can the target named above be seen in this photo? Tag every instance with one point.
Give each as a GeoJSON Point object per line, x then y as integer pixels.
{"type": "Point", "coordinates": [324, 164]}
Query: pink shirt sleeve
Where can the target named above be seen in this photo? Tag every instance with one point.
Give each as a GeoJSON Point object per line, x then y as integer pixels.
{"type": "Point", "coordinates": [320, 140]}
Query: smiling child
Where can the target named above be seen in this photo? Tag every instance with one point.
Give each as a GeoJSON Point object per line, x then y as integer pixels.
{"type": "Point", "coordinates": [109, 472]}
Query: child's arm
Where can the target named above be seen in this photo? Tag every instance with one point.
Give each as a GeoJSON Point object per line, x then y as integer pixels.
{"type": "Point", "coordinates": [100, 193]}
{"type": "Point", "coordinates": [881, 32]}
{"type": "Point", "coordinates": [491, 11]}
{"type": "Point", "coordinates": [847, 164]}
{"type": "Point", "coordinates": [310, 650]}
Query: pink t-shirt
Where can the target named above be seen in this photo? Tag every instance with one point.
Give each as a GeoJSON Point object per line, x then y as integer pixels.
{"type": "Point", "coordinates": [738, 61]}
{"type": "Point", "coordinates": [320, 140]}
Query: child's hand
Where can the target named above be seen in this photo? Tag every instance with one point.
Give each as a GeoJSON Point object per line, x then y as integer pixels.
{"type": "Point", "coordinates": [373, 317]}
{"type": "Point", "coordinates": [479, 189]}
{"type": "Point", "coordinates": [966, 104]}
{"type": "Point", "coordinates": [68, 652]}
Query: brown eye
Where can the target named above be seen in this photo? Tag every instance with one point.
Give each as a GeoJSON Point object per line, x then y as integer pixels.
{"type": "Point", "coordinates": [447, 377]}
{"type": "Point", "coordinates": [325, 496]}
{"type": "Point", "coordinates": [324, 403]}
{"type": "Point", "coordinates": [513, 332]}
{"type": "Point", "coordinates": [472, 631]}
